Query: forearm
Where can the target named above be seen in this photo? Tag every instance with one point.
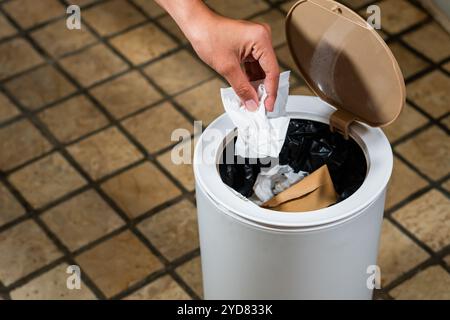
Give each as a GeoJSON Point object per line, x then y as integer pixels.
{"type": "Point", "coordinates": [188, 14]}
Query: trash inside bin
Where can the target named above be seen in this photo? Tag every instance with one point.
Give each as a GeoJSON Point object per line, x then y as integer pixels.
{"type": "Point", "coordinates": [314, 192]}
{"type": "Point", "coordinates": [308, 146]}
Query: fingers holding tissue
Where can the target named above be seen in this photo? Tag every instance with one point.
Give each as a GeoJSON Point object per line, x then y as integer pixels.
{"type": "Point", "coordinates": [261, 134]}
{"type": "Point", "coordinates": [260, 66]}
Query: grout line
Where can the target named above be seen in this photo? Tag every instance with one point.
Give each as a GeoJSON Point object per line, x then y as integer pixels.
{"type": "Point", "coordinates": [431, 119]}
{"type": "Point", "coordinates": [11, 120]}
{"type": "Point", "coordinates": [433, 259]}
{"type": "Point", "coordinates": [54, 19]}
{"type": "Point", "coordinates": [26, 71]}
{"type": "Point", "coordinates": [3, 292]}
{"type": "Point", "coordinates": [67, 256]}
{"type": "Point", "coordinates": [431, 122]}
{"type": "Point", "coordinates": [36, 273]}
{"type": "Point", "coordinates": [168, 270]}
{"type": "Point", "coordinates": [433, 183]}
{"type": "Point", "coordinates": [73, 193]}
{"type": "Point", "coordinates": [83, 91]}
{"type": "Point", "coordinates": [414, 196]}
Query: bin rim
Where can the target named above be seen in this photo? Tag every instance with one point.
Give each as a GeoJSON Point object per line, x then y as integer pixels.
{"type": "Point", "coordinates": [372, 141]}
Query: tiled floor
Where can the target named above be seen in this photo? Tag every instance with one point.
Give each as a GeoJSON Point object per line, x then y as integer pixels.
{"type": "Point", "coordinates": [85, 171]}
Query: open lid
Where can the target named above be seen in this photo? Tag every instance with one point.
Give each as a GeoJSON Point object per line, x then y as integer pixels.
{"type": "Point", "coordinates": [345, 62]}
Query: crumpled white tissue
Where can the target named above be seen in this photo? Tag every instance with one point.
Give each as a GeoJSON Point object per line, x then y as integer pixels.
{"type": "Point", "coordinates": [272, 181]}
{"type": "Point", "coordinates": [260, 133]}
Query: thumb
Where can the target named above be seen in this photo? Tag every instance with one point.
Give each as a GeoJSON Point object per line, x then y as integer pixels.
{"type": "Point", "coordinates": [237, 78]}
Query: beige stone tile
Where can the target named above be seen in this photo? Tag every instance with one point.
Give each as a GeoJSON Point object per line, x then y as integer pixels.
{"type": "Point", "coordinates": [52, 286]}
{"type": "Point", "coordinates": [10, 208]}
{"type": "Point", "coordinates": [446, 184]}
{"type": "Point", "coordinates": [203, 102]}
{"type": "Point", "coordinates": [104, 153]}
{"type": "Point", "coordinates": [409, 63]}
{"type": "Point", "coordinates": [398, 15]}
{"type": "Point", "coordinates": [7, 109]}
{"type": "Point", "coordinates": [398, 253]}
{"type": "Point", "coordinates": [150, 7]}
{"type": "Point", "coordinates": [429, 152]}
{"type": "Point", "coordinates": [447, 260]}
{"type": "Point", "coordinates": [20, 142]}
{"type": "Point", "coordinates": [354, 4]}
{"type": "Point", "coordinates": [447, 66]}
{"type": "Point", "coordinates": [382, 34]}
{"type": "Point", "coordinates": [403, 183]}
{"type": "Point", "coordinates": [143, 44]}
{"type": "Point", "coordinates": [6, 29]}
{"type": "Point", "coordinates": [27, 13]}
{"type": "Point", "coordinates": [140, 189]}
{"type": "Point", "coordinates": [431, 93]}
{"type": "Point", "coordinates": [428, 218]}
{"type": "Point", "coordinates": [164, 288]}
{"type": "Point", "coordinates": [73, 118]}
{"type": "Point", "coordinates": [284, 56]}
{"type": "Point", "coordinates": [364, 14]}
{"type": "Point", "coordinates": [24, 248]}
{"type": "Point", "coordinates": [288, 5]}
{"type": "Point", "coordinates": [46, 180]}
{"type": "Point", "coordinates": [126, 94]}
{"type": "Point", "coordinates": [191, 273]}
{"type": "Point", "coordinates": [237, 9]}
{"type": "Point", "coordinates": [81, 220]}
{"type": "Point", "coordinates": [16, 56]}
{"type": "Point", "coordinates": [153, 128]}
{"type": "Point", "coordinates": [40, 87]}
{"type": "Point", "coordinates": [112, 16]}
{"type": "Point", "coordinates": [429, 284]}
{"type": "Point", "coordinates": [276, 22]}
{"type": "Point", "coordinates": [431, 40]}
{"type": "Point", "coordinates": [408, 120]}
{"type": "Point", "coordinates": [446, 122]}
{"type": "Point", "coordinates": [82, 2]}
{"type": "Point", "coordinates": [174, 230]}
{"type": "Point", "coordinates": [178, 72]}
{"type": "Point", "coordinates": [169, 24]}
{"type": "Point", "coordinates": [118, 263]}
{"type": "Point", "coordinates": [57, 40]}
{"type": "Point", "coordinates": [93, 64]}
{"type": "Point", "coordinates": [182, 171]}
{"type": "Point", "coordinates": [297, 83]}
{"type": "Point", "coordinates": [302, 90]}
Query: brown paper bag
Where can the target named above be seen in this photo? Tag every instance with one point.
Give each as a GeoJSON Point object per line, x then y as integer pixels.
{"type": "Point", "coordinates": [314, 192]}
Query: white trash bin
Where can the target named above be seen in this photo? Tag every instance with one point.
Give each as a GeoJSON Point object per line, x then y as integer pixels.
{"type": "Point", "coordinates": [249, 252]}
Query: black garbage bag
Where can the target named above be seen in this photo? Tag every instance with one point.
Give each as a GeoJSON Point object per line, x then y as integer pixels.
{"type": "Point", "coordinates": [308, 146]}
{"type": "Point", "coordinates": [239, 173]}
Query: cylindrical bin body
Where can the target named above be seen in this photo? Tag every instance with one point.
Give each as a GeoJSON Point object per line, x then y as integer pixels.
{"type": "Point", "coordinates": [253, 253]}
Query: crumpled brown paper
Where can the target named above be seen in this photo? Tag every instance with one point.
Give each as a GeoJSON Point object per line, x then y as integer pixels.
{"type": "Point", "coordinates": [315, 191]}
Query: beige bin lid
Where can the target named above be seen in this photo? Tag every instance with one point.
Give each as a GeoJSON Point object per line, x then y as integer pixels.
{"type": "Point", "coordinates": [345, 62]}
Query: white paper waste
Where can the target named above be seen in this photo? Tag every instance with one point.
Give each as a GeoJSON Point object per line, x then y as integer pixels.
{"type": "Point", "coordinates": [272, 181]}
{"type": "Point", "coordinates": [260, 133]}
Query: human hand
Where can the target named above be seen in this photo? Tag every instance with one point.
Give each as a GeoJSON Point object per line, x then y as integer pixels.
{"type": "Point", "coordinates": [226, 44]}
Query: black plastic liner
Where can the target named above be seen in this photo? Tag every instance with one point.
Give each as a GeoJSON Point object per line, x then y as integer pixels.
{"type": "Point", "coordinates": [308, 146]}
